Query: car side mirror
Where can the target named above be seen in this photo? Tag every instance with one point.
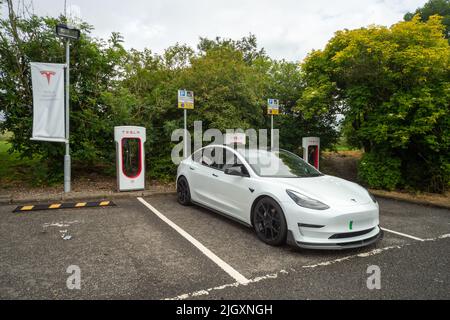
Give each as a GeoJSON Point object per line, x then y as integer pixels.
{"type": "Point", "coordinates": [237, 170]}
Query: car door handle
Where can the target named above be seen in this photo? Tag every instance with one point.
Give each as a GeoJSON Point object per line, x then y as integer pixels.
{"type": "Point", "coordinates": [191, 168]}
{"type": "Point", "coordinates": [215, 175]}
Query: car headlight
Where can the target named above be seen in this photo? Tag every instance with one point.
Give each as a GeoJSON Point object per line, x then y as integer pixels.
{"type": "Point", "coordinates": [306, 202]}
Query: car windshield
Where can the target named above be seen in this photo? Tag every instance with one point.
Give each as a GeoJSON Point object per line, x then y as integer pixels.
{"type": "Point", "coordinates": [280, 164]}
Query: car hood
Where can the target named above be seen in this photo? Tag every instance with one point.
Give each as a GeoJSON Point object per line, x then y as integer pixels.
{"type": "Point", "coordinates": [328, 189]}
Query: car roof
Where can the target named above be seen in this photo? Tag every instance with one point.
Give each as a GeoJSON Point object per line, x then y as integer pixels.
{"type": "Point", "coordinates": [248, 150]}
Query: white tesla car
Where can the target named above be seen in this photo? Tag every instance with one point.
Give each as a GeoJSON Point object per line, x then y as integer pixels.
{"type": "Point", "coordinates": [281, 196]}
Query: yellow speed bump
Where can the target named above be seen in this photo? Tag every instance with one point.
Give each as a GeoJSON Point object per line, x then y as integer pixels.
{"type": "Point", "coordinates": [65, 205]}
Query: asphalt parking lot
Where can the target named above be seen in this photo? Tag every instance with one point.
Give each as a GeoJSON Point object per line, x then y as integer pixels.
{"type": "Point", "coordinates": [153, 248]}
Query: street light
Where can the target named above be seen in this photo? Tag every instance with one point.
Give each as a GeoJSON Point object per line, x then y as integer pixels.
{"type": "Point", "coordinates": [68, 33]}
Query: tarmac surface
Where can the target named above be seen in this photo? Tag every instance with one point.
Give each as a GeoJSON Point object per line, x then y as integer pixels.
{"type": "Point", "coordinates": [131, 251]}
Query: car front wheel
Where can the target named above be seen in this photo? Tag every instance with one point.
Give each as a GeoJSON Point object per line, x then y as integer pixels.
{"type": "Point", "coordinates": [183, 192]}
{"type": "Point", "coordinates": [269, 222]}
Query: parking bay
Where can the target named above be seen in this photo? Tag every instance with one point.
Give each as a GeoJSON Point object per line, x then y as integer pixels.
{"type": "Point", "coordinates": [238, 244]}
{"type": "Point", "coordinates": [129, 252]}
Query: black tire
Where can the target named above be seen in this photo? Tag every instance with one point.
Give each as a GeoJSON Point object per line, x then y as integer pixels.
{"type": "Point", "coordinates": [183, 192]}
{"type": "Point", "coordinates": [269, 222]}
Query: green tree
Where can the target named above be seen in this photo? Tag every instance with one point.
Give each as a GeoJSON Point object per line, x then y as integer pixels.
{"type": "Point", "coordinates": [392, 85]}
{"type": "Point", "coordinates": [95, 69]}
{"type": "Point", "coordinates": [433, 7]}
{"type": "Point", "coordinates": [248, 46]}
{"type": "Point", "coordinates": [286, 83]}
{"type": "Point", "coordinates": [227, 94]}
{"type": "Point", "coordinates": [232, 80]}
{"type": "Point", "coordinates": [226, 88]}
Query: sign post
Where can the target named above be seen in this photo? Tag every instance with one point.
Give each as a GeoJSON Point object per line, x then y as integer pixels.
{"type": "Point", "coordinates": [272, 108]}
{"type": "Point", "coordinates": [185, 101]}
{"type": "Point", "coordinates": [67, 33]}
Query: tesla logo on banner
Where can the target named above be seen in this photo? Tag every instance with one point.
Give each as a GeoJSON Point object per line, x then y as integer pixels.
{"type": "Point", "coordinates": [48, 75]}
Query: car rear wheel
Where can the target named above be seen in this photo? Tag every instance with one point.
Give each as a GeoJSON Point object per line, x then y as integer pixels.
{"type": "Point", "coordinates": [269, 222]}
{"type": "Point", "coordinates": [183, 192]}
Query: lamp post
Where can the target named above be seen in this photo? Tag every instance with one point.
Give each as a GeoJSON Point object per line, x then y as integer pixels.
{"type": "Point", "coordinates": [68, 33]}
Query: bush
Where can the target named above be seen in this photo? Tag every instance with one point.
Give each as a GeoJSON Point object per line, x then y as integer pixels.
{"type": "Point", "coordinates": [380, 171]}
{"type": "Point", "coordinates": [429, 174]}
{"type": "Point", "coordinates": [161, 169]}
{"type": "Point", "coordinates": [392, 87]}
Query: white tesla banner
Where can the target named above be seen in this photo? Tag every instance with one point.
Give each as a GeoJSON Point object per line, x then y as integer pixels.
{"type": "Point", "coordinates": [48, 101]}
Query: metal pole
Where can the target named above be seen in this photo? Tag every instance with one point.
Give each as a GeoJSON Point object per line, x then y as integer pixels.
{"type": "Point", "coordinates": [271, 132]}
{"type": "Point", "coordinates": [67, 155]}
{"type": "Point", "coordinates": [185, 134]}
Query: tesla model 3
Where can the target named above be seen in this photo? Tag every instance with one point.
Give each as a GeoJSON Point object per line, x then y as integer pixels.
{"type": "Point", "coordinates": [281, 196]}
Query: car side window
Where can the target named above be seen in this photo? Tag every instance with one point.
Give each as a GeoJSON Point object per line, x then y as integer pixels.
{"type": "Point", "coordinates": [230, 159]}
{"type": "Point", "coordinates": [197, 156]}
{"type": "Point", "coordinates": [207, 161]}
{"type": "Point", "coordinates": [208, 157]}
{"type": "Point", "coordinates": [203, 157]}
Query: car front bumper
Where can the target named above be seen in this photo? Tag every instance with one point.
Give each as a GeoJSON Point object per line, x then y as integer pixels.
{"type": "Point", "coordinates": [337, 245]}
{"type": "Point", "coordinates": [335, 228]}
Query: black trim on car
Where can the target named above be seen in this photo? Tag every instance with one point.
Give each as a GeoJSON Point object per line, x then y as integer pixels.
{"type": "Point", "coordinates": [226, 215]}
{"type": "Point", "coordinates": [350, 234]}
{"type": "Point", "coordinates": [306, 225]}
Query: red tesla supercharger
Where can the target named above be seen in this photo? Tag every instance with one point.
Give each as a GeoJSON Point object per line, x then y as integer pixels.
{"type": "Point", "coordinates": [311, 149]}
{"type": "Point", "coordinates": [130, 157]}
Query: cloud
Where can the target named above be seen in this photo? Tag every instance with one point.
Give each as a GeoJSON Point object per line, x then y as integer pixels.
{"type": "Point", "coordinates": [286, 28]}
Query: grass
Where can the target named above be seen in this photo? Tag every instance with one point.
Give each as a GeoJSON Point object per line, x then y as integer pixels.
{"type": "Point", "coordinates": [344, 148]}
{"type": "Point", "coordinates": [342, 145]}
{"type": "Point", "coordinates": [21, 174]}
{"type": "Point", "coordinates": [14, 170]}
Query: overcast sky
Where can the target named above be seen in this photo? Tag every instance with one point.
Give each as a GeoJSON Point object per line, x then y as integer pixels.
{"type": "Point", "coordinates": [285, 28]}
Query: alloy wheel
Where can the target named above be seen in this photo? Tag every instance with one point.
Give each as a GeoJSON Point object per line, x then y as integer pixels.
{"type": "Point", "coordinates": [183, 193]}
{"type": "Point", "coordinates": [268, 222]}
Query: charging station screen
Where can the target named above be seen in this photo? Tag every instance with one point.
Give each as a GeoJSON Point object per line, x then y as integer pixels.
{"type": "Point", "coordinates": [313, 155]}
{"type": "Point", "coordinates": [131, 157]}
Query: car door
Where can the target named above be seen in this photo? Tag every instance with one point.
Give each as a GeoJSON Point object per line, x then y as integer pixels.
{"type": "Point", "coordinates": [203, 174]}
{"type": "Point", "coordinates": [194, 175]}
{"type": "Point", "coordinates": [234, 192]}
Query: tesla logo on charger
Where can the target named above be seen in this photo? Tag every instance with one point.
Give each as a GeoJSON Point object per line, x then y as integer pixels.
{"type": "Point", "coordinates": [131, 131]}
{"type": "Point", "coordinates": [48, 75]}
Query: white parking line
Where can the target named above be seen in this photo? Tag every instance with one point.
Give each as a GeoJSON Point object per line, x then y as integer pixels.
{"type": "Point", "coordinates": [403, 234]}
{"type": "Point", "coordinates": [222, 264]}
{"type": "Point", "coordinates": [292, 270]}
{"type": "Point", "coordinates": [282, 272]}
